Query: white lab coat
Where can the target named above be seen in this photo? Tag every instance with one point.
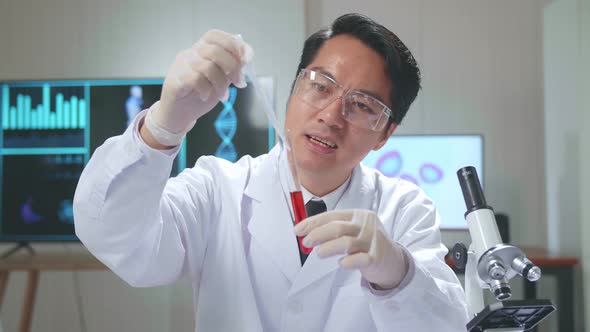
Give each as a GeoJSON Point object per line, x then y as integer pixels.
{"type": "Point", "coordinates": [227, 226]}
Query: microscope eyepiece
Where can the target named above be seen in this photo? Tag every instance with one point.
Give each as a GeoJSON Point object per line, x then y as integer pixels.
{"type": "Point", "coordinates": [471, 188]}
{"type": "Point", "coordinates": [526, 269]}
{"type": "Point", "coordinates": [532, 272]}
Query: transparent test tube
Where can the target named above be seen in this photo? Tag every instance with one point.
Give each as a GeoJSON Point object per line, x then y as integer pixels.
{"type": "Point", "coordinates": [295, 194]}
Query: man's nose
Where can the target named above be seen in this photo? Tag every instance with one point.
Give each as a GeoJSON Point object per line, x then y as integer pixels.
{"type": "Point", "coordinates": [331, 115]}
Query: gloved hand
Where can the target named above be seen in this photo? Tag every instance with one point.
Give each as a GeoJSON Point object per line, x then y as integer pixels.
{"type": "Point", "coordinates": [197, 80]}
{"type": "Point", "coordinates": [360, 236]}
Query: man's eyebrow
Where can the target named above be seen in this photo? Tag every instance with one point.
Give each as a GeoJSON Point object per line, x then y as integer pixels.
{"type": "Point", "coordinates": [323, 71]}
{"type": "Point", "coordinates": [373, 94]}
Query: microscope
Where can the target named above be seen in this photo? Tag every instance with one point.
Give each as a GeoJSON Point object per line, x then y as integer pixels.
{"type": "Point", "coordinates": [489, 264]}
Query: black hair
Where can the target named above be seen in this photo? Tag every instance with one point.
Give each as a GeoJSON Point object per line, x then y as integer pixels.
{"type": "Point", "coordinates": [400, 66]}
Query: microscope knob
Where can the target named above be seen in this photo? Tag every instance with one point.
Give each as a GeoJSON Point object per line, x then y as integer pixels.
{"type": "Point", "coordinates": [502, 293]}
{"type": "Point", "coordinates": [459, 253]}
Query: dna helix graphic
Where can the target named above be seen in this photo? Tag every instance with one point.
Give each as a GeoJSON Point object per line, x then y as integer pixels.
{"type": "Point", "coordinates": [226, 124]}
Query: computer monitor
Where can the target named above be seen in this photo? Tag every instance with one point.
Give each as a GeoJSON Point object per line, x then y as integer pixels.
{"type": "Point", "coordinates": [49, 130]}
{"type": "Point", "coordinates": [431, 162]}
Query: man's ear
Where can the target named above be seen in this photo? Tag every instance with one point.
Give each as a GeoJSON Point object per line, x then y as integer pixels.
{"type": "Point", "coordinates": [385, 137]}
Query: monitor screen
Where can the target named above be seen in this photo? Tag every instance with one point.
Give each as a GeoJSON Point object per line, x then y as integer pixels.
{"type": "Point", "coordinates": [234, 128]}
{"type": "Point", "coordinates": [49, 130]}
{"type": "Point", "coordinates": [431, 162]}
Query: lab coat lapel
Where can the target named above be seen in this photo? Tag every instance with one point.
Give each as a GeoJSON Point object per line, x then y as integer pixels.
{"type": "Point", "coordinates": [360, 194]}
{"type": "Point", "coordinates": [271, 223]}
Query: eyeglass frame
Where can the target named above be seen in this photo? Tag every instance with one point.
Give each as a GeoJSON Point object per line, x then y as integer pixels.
{"type": "Point", "coordinates": [342, 93]}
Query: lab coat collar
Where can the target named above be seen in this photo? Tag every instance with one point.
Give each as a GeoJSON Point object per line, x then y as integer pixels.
{"type": "Point", "coordinates": [331, 199]}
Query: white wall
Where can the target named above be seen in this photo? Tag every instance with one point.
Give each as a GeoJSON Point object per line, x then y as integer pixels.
{"type": "Point", "coordinates": [482, 73]}
{"type": "Point", "coordinates": [562, 141]}
{"type": "Point", "coordinates": [564, 144]}
{"type": "Point", "coordinates": [93, 39]}
{"type": "Point", "coordinates": [584, 116]}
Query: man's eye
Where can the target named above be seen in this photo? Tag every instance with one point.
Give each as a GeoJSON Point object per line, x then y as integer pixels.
{"type": "Point", "coordinates": [363, 107]}
{"type": "Point", "coordinates": [319, 87]}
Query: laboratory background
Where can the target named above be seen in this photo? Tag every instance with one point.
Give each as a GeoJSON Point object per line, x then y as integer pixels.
{"type": "Point", "coordinates": [505, 88]}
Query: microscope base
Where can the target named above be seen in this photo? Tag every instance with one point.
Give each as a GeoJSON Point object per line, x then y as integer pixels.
{"type": "Point", "coordinates": [511, 316]}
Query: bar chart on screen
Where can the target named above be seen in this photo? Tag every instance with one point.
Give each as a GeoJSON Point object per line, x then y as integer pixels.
{"type": "Point", "coordinates": [43, 116]}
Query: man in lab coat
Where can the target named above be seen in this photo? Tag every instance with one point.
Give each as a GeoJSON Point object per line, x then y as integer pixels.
{"type": "Point", "coordinates": [377, 261]}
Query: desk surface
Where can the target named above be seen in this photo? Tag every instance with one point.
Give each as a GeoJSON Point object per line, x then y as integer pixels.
{"type": "Point", "coordinates": [73, 260]}
{"type": "Point", "coordinates": [541, 258]}
{"type": "Point", "coordinates": [554, 261]}
{"type": "Point", "coordinates": [51, 261]}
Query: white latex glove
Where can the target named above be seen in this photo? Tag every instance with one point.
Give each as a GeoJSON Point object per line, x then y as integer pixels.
{"type": "Point", "coordinates": [196, 81]}
{"type": "Point", "coordinates": [360, 236]}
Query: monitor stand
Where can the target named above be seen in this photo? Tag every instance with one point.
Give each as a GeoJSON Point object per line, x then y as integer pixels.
{"type": "Point", "coordinates": [16, 248]}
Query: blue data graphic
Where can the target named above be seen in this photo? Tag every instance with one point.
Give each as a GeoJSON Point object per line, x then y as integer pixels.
{"type": "Point", "coordinates": [65, 212]}
{"type": "Point", "coordinates": [225, 125]}
{"type": "Point", "coordinates": [48, 114]}
{"type": "Point", "coordinates": [43, 116]}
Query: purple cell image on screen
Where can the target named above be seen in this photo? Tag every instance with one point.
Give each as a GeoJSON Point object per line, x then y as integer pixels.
{"type": "Point", "coordinates": [29, 216]}
{"type": "Point", "coordinates": [431, 173]}
{"type": "Point", "coordinates": [390, 164]}
{"type": "Point", "coordinates": [409, 177]}
{"type": "Point", "coordinates": [430, 162]}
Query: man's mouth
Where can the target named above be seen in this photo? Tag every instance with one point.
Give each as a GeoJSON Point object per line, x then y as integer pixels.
{"type": "Point", "coordinates": [322, 141]}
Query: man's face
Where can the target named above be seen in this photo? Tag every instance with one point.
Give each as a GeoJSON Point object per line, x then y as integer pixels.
{"type": "Point", "coordinates": [355, 67]}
